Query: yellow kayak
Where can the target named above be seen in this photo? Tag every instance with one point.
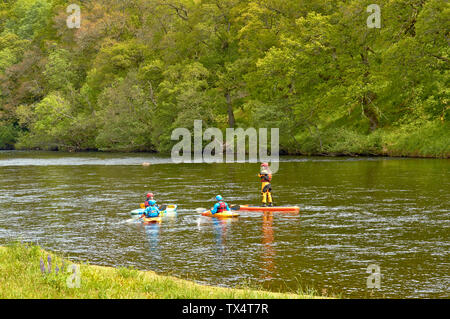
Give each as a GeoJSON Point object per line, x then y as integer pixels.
{"type": "Point", "coordinates": [146, 220]}
{"type": "Point", "coordinates": [220, 215]}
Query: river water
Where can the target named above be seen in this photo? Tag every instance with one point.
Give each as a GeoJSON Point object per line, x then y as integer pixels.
{"type": "Point", "coordinates": [354, 212]}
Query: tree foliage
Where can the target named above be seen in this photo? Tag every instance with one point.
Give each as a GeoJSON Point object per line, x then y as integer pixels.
{"type": "Point", "coordinates": [135, 70]}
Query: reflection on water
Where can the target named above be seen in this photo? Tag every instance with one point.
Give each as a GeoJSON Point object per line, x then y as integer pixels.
{"type": "Point", "coordinates": [220, 232]}
{"type": "Point", "coordinates": [221, 229]}
{"type": "Point", "coordinates": [269, 249]}
{"type": "Point", "coordinates": [152, 231]}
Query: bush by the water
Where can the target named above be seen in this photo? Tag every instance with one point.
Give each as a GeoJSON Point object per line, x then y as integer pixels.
{"type": "Point", "coordinates": [8, 136]}
{"type": "Point", "coordinates": [430, 140]}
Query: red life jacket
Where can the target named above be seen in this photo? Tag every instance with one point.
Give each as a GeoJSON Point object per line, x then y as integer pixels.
{"type": "Point", "coordinates": [222, 207]}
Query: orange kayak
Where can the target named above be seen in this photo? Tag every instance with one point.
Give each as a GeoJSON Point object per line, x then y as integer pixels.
{"type": "Point", "coordinates": [220, 215]}
{"type": "Point", "coordinates": [249, 208]}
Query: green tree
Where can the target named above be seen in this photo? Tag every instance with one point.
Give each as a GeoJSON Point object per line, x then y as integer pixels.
{"type": "Point", "coordinates": [124, 122]}
{"type": "Point", "coordinates": [30, 18]}
{"type": "Point", "coordinates": [59, 71]}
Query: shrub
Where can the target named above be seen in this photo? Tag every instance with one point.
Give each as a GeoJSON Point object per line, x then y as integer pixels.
{"type": "Point", "coordinates": [8, 136]}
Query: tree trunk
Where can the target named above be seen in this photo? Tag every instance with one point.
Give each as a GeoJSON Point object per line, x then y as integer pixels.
{"type": "Point", "coordinates": [368, 96]}
{"type": "Point", "coordinates": [369, 112]}
{"type": "Point", "coordinates": [231, 120]}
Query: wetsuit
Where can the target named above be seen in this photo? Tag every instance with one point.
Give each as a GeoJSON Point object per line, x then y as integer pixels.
{"type": "Point", "coordinates": [266, 188]}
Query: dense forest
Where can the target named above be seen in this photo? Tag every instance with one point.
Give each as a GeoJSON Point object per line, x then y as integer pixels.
{"type": "Point", "coordinates": [137, 69]}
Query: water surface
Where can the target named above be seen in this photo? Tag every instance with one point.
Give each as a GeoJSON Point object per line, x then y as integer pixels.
{"type": "Point", "coordinates": [354, 212]}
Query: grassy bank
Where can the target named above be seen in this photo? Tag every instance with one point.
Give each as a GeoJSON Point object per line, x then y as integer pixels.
{"type": "Point", "coordinates": [428, 141]}
{"type": "Point", "coordinates": [22, 277]}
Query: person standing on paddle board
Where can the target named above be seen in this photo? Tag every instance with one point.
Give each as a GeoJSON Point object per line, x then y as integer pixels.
{"type": "Point", "coordinates": [220, 206]}
{"type": "Point", "coordinates": [266, 188]}
{"type": "Point", "coordinates": [152, 210]}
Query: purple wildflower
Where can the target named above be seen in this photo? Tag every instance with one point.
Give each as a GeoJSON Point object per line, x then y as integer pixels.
{"type": "Point", "coordinates": [56, 269]}
{"type": "Point", "coordinates": [42, 266]}
{"type": "Point", "coordinates": [49, 259]}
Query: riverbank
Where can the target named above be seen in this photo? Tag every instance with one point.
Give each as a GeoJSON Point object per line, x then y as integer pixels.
{"type": "Point", "coordinates": [391, 153]}
{"type": "Point", "coordinates": [430, 140]}
{"type": "Point", "coordinates": [25, 275]}
{"type": "Point", "coordinates": [427, 141]}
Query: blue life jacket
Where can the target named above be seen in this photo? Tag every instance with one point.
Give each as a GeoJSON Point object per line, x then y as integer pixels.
{"type": "Point", "coordinates": [151, 211]}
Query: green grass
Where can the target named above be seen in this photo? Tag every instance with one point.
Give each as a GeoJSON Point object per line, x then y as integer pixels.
{"type": "Point", "coordinates": [22, 278]}
{"type": "Point", "coordinates": [430, 140]}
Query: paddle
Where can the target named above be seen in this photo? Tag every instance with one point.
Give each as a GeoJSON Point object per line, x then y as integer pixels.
{"type": "Point", "coordinates": [237, 207]}
{"type": "Point", "coordinates": [200, 210]}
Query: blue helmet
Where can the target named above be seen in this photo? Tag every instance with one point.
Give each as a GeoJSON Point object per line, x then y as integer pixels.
{"type": "Point", "coordinates": [219, 198]}
{"type": "Point", "coordinates": [152, 202]}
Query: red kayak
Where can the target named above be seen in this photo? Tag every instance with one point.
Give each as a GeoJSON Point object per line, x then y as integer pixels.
{"type": "Point", "coordinates": [249, 208]}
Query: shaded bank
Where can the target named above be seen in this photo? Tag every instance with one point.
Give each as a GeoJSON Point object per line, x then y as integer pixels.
{"type": "Point", "coordinates": [431, 141]}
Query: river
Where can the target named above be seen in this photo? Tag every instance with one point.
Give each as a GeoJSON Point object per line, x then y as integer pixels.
{"type": "Point", "coordinates": [354, 212]}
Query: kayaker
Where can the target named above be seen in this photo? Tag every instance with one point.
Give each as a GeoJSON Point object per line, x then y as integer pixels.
{"type": "Point", "coordinates": [266, 188]}
{"type": "Point", "coordinates": [152, 210]}
{"type": "Point", "coordinates": [220, 206]}
{"type": "Point", "coordinates": [150, 197]}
